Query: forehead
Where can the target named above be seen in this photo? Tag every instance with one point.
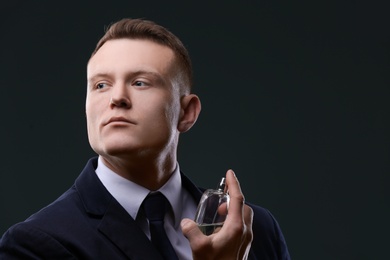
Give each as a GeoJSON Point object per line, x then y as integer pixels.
{"type": "Point", "coordinates": [121, 55]}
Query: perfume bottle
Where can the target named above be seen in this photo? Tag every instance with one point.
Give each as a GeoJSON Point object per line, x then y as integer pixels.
{"type": "Point", "coordinates": [212, 209]}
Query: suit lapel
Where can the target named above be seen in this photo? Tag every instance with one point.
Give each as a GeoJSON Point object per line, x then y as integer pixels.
{"type": "Point", "coordinates": [116, 224]}
{"type": "Point", "coordinates": [119, 227]}
{"type": "Point", "coordinates": [195, 192]}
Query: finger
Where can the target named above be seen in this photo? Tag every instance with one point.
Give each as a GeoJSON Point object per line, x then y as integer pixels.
{"type": "Point", "coordinates": [236, 197]}
{"type": "Point", "coordinates": [223, 209]}
{"type": "Point", "coordinates": [248, 234]}
{"type": "Point", "coordinates": [248, 216]}
{"type": "Point", "coordinates": [191, 230]}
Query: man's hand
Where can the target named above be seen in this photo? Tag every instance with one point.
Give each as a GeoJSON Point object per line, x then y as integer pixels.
{"type": "Point", "coordinates": [234, 239]}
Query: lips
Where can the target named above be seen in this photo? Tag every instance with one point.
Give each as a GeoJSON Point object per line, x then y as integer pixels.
{"type": "Point", "coordinates": [119, 120]}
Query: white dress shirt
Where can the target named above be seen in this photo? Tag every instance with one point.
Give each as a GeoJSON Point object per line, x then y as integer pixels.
{"type": "Point", "coordinates": [131, 195]}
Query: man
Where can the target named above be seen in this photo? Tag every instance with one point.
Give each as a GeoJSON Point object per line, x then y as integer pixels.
{"type": "Point", "coordinates": [138, 102]}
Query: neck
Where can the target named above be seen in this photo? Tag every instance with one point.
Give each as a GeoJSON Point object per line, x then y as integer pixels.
{"type": "Point", "coordinates": [147, 172]}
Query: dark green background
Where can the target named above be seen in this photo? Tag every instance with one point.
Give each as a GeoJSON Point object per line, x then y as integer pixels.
{"type": "Point", "coordinates": [295, 99]}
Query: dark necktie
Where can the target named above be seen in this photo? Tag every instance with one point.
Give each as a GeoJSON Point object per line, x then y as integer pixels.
{"type": "Point", "coordinates": [155, 206]}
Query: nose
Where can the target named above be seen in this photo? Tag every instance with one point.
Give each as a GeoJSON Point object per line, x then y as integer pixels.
{"type": "Point", "coordinates": [120, 97]}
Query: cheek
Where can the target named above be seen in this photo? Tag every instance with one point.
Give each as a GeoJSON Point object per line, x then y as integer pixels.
{"type": "Point", "coordinates": [172, 115]}
{"type": "Point", "coordinates": [91, 116]}
{"type": "Point", "coordinates": [90, 128]}
{"type": "Point", "coordinates": [94, 105]}
{"type": "Point", "coordinates": [169, 112]}
{"type": "Point", "coordinates": [175, 109]}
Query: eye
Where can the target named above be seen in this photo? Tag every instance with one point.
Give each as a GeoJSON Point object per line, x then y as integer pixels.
{"type": "Point", "coordinates": [101, 85]}
{"type": "Point", "coordinates": [139, 83]}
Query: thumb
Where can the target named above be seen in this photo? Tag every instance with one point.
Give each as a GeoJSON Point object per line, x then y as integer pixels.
{"type": "Point", "coordinates": [190, 229]}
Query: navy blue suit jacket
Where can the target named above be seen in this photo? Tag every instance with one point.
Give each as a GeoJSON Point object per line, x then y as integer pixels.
{"type": "Point", "coordinates": [86, 222]}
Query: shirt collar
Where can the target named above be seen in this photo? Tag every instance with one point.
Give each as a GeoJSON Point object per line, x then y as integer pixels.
{"type": "Point", "coordinates": [131, 195]}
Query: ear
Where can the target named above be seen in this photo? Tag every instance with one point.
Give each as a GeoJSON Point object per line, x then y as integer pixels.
{"type": "Point", "coordinates": [190, 109]}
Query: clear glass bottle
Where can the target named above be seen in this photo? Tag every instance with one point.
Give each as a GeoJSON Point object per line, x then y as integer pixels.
{"type": "Point", "coordinates": [213, 209]}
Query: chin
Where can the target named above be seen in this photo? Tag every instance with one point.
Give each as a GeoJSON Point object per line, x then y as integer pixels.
{"type": "Point", "coordinates": [119, 150]}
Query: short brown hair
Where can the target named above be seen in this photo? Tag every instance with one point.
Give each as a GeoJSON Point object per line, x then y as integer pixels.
{"type": "Point", "coordinates": [148, 30]}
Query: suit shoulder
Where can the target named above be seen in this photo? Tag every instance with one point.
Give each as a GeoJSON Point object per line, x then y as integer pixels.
{"type": "Point", "coordinates": [268, 238]}
{"type": "Point", "coordinates": [53, 216]}
{"type": "Point", "coordinates": [24, 240]}
{"type": "Point", "coordinates": [262, 216]}
{"type": "Point", "coordinates": [62, 206]}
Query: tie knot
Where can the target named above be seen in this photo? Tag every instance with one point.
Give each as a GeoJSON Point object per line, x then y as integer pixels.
{"type": "Point", "coordinates": [155, 206]}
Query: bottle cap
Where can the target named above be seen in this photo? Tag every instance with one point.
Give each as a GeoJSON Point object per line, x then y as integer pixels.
{"type": "Point", "coordinates": [221, 185]}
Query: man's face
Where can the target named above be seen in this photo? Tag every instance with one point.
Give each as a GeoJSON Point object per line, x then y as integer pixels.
{"type": "Point", "coordinates": [133, 101]}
